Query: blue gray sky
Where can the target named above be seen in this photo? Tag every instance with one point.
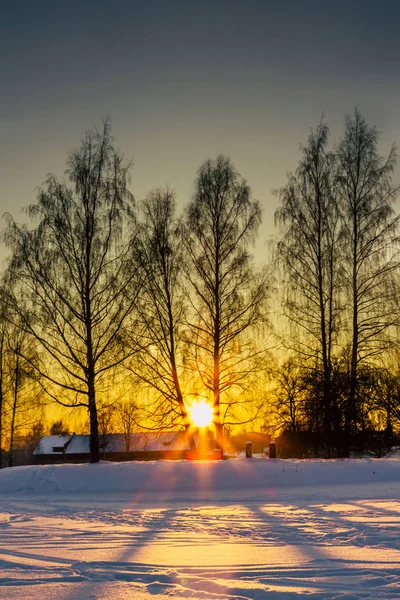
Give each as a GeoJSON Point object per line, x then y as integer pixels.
{"type": "Point", "coordinates": [187, 79]}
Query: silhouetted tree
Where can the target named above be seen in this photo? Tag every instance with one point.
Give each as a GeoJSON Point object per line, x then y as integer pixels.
{"type": "Point", "coordinates": [3, 376]}
{"type": "Point", "coordinates": [386, 402]}
{"type": "Point", "coordinates": [289, 402]}
{"type": "Point", "coordinates": [34, 436]}
{"type": "Point", "coordinates": [74, 271]}
{"type": "Point", "coordinates": [226, 293]}
{"type": "Point", "coordinates": [24, 393]}
{"type": "Point", "coordinates": [58, 428]}
{"type": "Point", "coordinates": [125, 417]}
{"type": "Point", "coordinates": [309, 257]}
{"type": "Point", "coordinates": [369, 234]}
{"type": "Point", "coordinates": [159, 251]}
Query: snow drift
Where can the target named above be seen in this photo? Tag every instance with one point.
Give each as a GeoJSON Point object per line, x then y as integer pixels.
{"type": "Point", "coordinates": [195, 478]}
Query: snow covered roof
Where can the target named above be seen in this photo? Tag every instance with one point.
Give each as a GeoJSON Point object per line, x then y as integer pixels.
{"type": "Point", "coordinates": [115, 442]}
{"type": "Point", "coordinates": [52, 444]}
{"type": "Point", "coordinates": [147, 441]}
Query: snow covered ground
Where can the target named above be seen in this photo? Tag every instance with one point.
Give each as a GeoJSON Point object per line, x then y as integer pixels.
{"type": "Point", "coordinates": [236, 529]}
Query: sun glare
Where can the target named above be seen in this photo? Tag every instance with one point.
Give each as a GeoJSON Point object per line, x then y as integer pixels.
{"type": "Point", "coordinates": [201, 414]}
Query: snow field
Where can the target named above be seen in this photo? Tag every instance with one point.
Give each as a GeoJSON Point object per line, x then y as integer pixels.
{"type": "Point", "coordinates": [242, 530]}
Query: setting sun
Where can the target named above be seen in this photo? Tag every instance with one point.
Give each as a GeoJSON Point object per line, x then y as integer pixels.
{"type": "Point", "coordinates": [201, 414]}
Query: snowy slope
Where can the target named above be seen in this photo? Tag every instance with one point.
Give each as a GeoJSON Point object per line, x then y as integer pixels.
{"type": "Point", "coordinates": [177, 477]}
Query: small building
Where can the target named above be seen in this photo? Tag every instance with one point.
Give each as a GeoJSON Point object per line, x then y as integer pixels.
{"type": "Point", "coordinates": [114, 446]}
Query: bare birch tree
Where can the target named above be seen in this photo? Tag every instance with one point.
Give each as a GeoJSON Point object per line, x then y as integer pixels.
{"type": "Point", "coordinates": [226, 293]}
{"type": "Point", "coordinates": [125, 418]}
{"type": "Point", "coordinates": [3, 328]}
{"type": "Point", "coordinates": [73, 270]}
{"type": "Point", "coordinates": [159, 365]}
{"type": "Point", "coordinates": [24, 392]}
{"type": "Point", "coordinates": [370, 236]}
{"type": "Point", "coordinates": [289, 397]}
{"type": "Point", "coordinates": [309, 256]}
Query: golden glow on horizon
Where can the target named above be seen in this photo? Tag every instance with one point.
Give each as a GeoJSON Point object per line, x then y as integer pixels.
{"type": "Point", "coordinates": [201, 414]}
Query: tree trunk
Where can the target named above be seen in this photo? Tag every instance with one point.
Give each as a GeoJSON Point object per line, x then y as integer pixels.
{"type": "Point", "coordinates": [14, 412]}
{"type": "Point", "coordinates": [94, 424]}
{"type": "Point", "coordinates": [350, 423]}
{"type": "Point", "coordinates": [1, 398]}
{"type": "Point", "coordinates": [217, 408]}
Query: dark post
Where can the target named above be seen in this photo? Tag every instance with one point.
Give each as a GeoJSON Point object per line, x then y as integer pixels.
{"type": "Point", "coordinates": [249, 449]}
{"type": "Point", "coordinates": [272, 449]}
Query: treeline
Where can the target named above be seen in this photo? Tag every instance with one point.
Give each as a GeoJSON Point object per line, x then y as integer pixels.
{"type": "Point", "coordinates": [339, 256]}
{"type": "Point", "coordinates": [129, 308]}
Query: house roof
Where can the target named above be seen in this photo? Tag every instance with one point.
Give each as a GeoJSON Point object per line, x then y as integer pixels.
{"type": "Point", "coordinates": [116, 442]}
{"type": "Point", "coordinates": [49, 442]}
